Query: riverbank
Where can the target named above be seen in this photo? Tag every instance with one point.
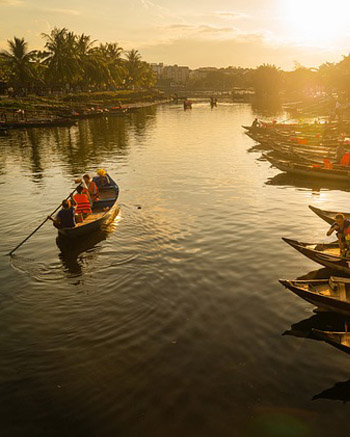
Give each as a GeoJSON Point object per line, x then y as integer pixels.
{"type": "Point", "coordinates": [80, 101]}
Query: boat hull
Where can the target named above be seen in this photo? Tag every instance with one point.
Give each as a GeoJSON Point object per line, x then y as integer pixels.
{"type": "Point", "coordinates": [309, 171]}
{"type": "Point", "coordinates": [328, 216]}
{"type": "Point", "coordinates": [330, 261]}
{"type": "Point", "coordinates": [324, 303]}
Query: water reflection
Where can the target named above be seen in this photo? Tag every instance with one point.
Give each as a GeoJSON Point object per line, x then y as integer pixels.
{"type": "Point", "coordinates": [319, 321]}
{"type": "Point", "coordinates": [267, 107]}
{"type": "Point", "coordinates": [339, 392]}
{"type": "Point", "coordinates": [90, 143]}
{"type": "Point", "coordinates": [71, 251]}
{"type": "Point", "coordinates": [77, 254]}
{"type": "Point", "coordinates": [289, 180]}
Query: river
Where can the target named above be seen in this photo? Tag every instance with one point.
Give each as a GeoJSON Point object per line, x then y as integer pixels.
{"type": "Point", "coordinates": [169, 323]}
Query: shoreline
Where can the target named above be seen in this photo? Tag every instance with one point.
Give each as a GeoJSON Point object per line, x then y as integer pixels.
{"type": "Point", "coordinates": [51, 105]}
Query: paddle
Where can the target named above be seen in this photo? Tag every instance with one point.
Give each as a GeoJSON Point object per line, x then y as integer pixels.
{"type": "Point", "coordinates": [42, 224]}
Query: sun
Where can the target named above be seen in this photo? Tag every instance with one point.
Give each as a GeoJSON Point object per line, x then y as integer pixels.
{"type": "Point", "coordinates": [318, 22]}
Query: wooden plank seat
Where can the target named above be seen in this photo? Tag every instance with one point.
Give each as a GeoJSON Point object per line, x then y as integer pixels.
{"type": "Point", "coordinates": [91, 218]}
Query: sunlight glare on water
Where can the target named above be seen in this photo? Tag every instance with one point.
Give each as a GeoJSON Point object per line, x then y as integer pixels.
{"type": "Point", "coordinates": [170, 321]}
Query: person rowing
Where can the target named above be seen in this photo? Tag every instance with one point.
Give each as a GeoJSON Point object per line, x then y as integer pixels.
{"type": "Point", "coordinates": [90, 189]}
{"type": "Point", "coordinates": [65, 218]}
{"type": "Point", "coordinates": [342, 227]}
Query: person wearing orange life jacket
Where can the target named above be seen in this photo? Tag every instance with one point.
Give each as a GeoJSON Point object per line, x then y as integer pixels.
{"type": "Point", "coordinates": [90, 189]}
{"type": "Point", "coordinates": [82, 204]}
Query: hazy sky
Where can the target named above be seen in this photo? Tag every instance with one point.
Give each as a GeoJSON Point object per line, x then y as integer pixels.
{"type": "Point", "coordinates": [195, 33]}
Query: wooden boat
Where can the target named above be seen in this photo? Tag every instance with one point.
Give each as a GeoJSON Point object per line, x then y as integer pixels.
{"type": "Point", "coordinates": [331, 294]}
{"type": "Point", "coordinates": [103, 212]}
{"type": "Point", "coordinates": [89, 115]}
{"type": "Point", "coordinates": [328, 216]}
{"type": "Point", "coordinates": [326, 254]}
{"type": "Point", "coordinates": [308, 170]}
{"type": "Point", "coordinates": [341, 340]}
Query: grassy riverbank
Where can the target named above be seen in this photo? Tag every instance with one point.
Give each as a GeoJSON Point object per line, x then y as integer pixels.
{"type": "Point", "coordinates": [82, 100]}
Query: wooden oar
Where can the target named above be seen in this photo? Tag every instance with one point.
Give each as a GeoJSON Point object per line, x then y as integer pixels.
{"type": "Point", "coordinates": [42, 224]}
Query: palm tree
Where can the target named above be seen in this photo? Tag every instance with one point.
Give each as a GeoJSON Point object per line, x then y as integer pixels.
{"type": "Point", "coordinates": [93, 65]}
{"type": "Point", "coordinates": [18, 63]}
{"type": "Point", "coordinates": [61, 60]}
{"type": "Point", "coordinates": [112, 54]}
{"type": "Point", "coordinates": [133, 68]}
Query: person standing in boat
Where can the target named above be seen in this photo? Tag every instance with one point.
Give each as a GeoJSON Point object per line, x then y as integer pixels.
{"type": "Point", "coordinates": [90, 189]}
{"type": "Point", "coordinates": [82, 204]}
{"type": "Point", "coordinates": [102, 180]}
{"type": "Point", "coordinates": [342, 227]}
{"type": "Point", "coordinates": [340, 153]}
{"type": "Point", "coordinates": [65, 218]}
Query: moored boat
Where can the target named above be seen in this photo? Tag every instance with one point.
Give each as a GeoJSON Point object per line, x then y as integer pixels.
{"type": "Point", "coordinates": [341, 340]}
{"type": "Point", "coordinates": [328, 216]}
{"type": "Point", "coordinates": [308, 170]}
{"type": "Point", "coordinates": [326, 254]}
{"type": "Point", "coordinates": [331, 294]}
{"type": "Point", "coordinates": [104, 211]}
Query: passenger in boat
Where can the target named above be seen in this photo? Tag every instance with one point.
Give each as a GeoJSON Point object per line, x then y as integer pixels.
{"type": "Point", "coordinates": [82, 204]}
{"type": "Point", "coordinates": [342, 227]}
{"type": "Point", "coordinates": [102, 179]}
{"type": "Point", "coordinates": [65, 218]}
{"type": "Point", "coordinates": [91, 189]}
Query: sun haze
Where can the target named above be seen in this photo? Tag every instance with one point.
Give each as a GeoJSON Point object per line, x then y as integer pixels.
{"type": "Point", "coordinates": [202, 33]}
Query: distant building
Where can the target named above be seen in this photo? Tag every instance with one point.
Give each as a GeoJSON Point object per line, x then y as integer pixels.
{"type": "Point", "coordinates": [176, 73]}
{"type": "Point", "coordinates": [202, 73]}
{"type": "Point", "coordinates": [158, 70]}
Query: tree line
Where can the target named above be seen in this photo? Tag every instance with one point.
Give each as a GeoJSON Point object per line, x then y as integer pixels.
{"type": "Point", "coordinates": [269, 80]}
{"type": "Point", "coordinates": [70, 61]}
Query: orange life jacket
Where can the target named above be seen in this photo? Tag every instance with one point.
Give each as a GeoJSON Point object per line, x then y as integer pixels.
{"type": "Point", "coordinates": [327, 164]}
{"type": "Point", "coordinates": [83, 204]}
{"type": "Point", "coordinates": [345, 159]}
{"type": "Point", "coordinates": [92, 189]}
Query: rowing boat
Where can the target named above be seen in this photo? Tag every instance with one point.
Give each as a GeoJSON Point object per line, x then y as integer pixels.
{"type": "Point", "coordinates": [326, 254]}
{"type": "Point", "coordinates": [341, 340]}
{"type": "Point", "coordinates": [328, 216]}
{"type": "Point", "coordinates": [104, 211]}
{"type": "Point", "coordinates": [308, 170]}
{"type": "Point", "coordinates": [331, 294]}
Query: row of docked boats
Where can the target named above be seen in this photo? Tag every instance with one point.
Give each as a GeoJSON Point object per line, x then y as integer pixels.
{"type": "Point", "coordinates": [327, 295]}
{"type": "Point", "coordinates": [310, 150]}
{"type": "Point", "coordinates": [65, 118]}
{"type": "Point", "coordinates": [317, 150]}
{"type": "Point", "coordinates": [116, 111]}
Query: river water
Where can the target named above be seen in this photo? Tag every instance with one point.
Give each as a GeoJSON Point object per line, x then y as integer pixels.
{"type": "Point", "coordinates": [169, 323]}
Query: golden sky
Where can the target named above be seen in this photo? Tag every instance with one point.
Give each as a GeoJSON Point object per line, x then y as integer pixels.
{"type": "Point", "coordinates": [195, 33]}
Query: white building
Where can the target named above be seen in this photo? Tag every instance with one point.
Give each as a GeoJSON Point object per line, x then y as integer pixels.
{"type": "Point", "coordinates": [178, 74]}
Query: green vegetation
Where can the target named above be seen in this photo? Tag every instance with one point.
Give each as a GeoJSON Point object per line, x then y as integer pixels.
{"type": "Point", "coordinates": [71, 62]}
{"type": "Point", "coordinates": [269, 80]}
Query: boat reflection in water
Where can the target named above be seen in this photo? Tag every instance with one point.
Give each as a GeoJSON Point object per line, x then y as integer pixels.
{"type": "Point", "coordinates": [285, 179]}
{"type": "Point", "coordinates": [73, 251]}
{"type": "Point", "coordinates": [339, 392]}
